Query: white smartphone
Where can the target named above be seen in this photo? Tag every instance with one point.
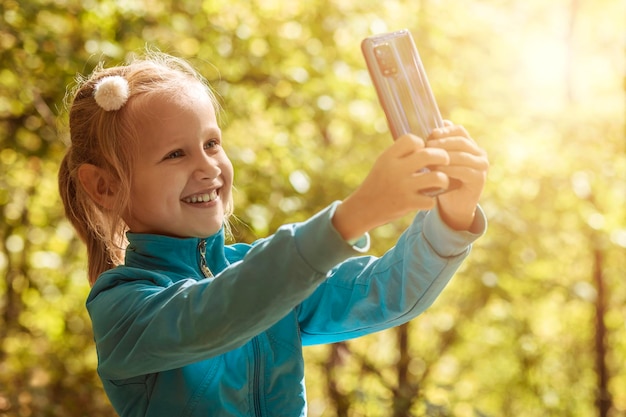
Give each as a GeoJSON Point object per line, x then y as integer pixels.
{"type": "Point", "coordinates": [403, 89]}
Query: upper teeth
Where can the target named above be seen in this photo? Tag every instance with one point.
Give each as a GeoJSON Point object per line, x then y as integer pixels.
{"type": "Point", "coordinates": [201, 198]}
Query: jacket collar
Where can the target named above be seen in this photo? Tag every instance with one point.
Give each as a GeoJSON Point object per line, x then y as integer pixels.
{"type": "Point", "coordinates": [175, 256]}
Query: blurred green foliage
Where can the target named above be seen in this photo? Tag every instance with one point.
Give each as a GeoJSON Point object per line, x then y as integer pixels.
{"type": "Point", "coordinates": [534, 323]}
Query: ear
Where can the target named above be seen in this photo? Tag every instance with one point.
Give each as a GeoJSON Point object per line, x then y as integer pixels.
{"type": "Point", "coordinates": [98, 184]}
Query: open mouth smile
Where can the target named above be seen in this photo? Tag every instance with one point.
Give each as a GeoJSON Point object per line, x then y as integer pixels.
{"type": "Point", "coordinates": [201, 198]}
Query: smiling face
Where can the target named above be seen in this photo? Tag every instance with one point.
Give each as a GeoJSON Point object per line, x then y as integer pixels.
{"type": "Point", "coordinates": [182, 179]}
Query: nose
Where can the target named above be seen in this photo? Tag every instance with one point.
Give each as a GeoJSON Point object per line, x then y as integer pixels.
{"type": "Point", "coordinates": [206, 167]}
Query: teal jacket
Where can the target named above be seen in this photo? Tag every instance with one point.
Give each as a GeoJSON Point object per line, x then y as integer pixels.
{"type": "Point", "coordinates": [175, 341]}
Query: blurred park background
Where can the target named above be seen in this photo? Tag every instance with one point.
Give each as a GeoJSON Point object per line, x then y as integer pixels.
{"type": "Point", "coordinates": [534, 323]}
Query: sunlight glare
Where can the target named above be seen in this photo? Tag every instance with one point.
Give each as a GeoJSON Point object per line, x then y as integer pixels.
{"type": "Point", "coordinates": [544, 71]}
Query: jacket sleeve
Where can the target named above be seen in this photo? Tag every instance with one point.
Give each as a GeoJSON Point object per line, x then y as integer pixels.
{"type": "Point", "coordinates": [144, 323]}
{"type": "Point", "coordinates": [367, 294]}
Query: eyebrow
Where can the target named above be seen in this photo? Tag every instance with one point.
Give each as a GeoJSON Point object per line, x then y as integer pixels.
{"type": "Point", "coordinates": [214, 131]}
{"type": "Point", "coordinates": [176, 141]}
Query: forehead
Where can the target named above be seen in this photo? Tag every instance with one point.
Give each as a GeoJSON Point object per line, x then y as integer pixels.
{"type": "Point", "coordinates": [164, 118]}
{"type": "Point", "coordinates": [171, 103]}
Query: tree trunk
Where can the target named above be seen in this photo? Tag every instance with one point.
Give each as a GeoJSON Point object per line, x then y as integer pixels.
{"type": "Point", "coordinates": [603, 396]}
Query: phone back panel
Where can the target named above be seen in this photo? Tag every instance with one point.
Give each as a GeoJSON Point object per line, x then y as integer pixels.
{"type": "Point", "coordinates": [401, 84]}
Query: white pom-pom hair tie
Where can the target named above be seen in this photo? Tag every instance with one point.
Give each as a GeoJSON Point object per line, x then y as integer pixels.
{"type": "Point", "coordinates": [111, 92]}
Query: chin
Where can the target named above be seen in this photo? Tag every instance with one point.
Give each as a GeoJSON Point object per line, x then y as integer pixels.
{"type": "Point", "coordinates": [208, 232]}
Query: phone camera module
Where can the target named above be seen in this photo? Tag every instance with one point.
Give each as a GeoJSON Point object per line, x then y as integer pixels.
{"type": "Point", "coordinates": [386, 62]}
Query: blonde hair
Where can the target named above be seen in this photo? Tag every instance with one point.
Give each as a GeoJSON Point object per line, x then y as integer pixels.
{"type": "Point", "coordinates": [107, 139]}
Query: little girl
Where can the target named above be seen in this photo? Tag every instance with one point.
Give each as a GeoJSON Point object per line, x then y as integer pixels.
{"type": "Point", "coordinates": [188, 326]}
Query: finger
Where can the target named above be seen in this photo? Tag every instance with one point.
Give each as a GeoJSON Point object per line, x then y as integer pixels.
{"type": "Point", "coordinates": [430, 183]}
{"type": "Point", "coordinates": [424, 158]}
{"type": "Point", "coordinates": [476, 161]}
{"type": "Point", "coordinates": [405, 145]}
{"type": "Point", "coordinates": [430, 178]}
{"type": "Point", "coordinates": [449, 130]}
{"type": "Point", "coordinates": [456, 143]}
{"type": "Point", "coordinates": [466, 175]}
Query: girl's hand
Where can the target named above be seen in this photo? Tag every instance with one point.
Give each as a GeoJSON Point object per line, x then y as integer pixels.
{"type": "Point", "coordinates": [392, 188]}
{"type": "Point", "coordinates": [469, 164]}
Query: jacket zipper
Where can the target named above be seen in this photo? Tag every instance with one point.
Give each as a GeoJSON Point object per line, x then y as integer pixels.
{"type": "Point", "coordinates": [256, 377]}
{"type": "Point", "coordinates": [255, 342]}
{"type": "Point", "coordinates": [203, 263]}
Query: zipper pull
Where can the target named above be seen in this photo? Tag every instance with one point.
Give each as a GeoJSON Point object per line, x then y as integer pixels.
{"type": "Point", "coordinates": [203, 264]}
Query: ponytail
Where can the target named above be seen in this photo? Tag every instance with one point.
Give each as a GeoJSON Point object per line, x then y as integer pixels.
{"type": "Point", "coordinates": [102, 254]}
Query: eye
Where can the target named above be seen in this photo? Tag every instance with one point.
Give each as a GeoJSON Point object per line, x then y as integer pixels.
{"type": "Point", "coordinates": [174, 154]}
{"type": "Point", "coordinates": [211, 143]}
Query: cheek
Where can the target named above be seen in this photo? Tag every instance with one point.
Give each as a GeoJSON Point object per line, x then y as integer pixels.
{"type": "Point", "coordinates": [228, 172]}
{"type": "Point", "coordinates": [157, 189]}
